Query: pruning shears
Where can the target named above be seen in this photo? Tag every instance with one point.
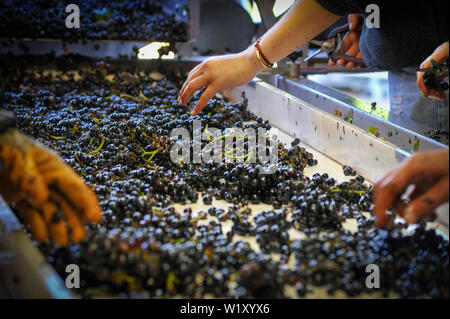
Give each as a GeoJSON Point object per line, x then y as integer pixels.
{"type": "Point", "coordinates": [432, 76]}
{"type": "Point", "coordinates": [334, 46]}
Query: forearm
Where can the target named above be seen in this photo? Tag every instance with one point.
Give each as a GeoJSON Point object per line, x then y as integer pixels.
{"type": "Point", "coordinates": [304, 20]}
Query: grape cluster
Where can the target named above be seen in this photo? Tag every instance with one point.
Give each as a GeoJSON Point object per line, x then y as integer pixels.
{"type": "Point", "coordinates": [272, 231]}
{"type": "Point", "coordinates": [338, 261]}
{"type": "Point", "coordinates": [114, 128]}
{"type": "Point", "coordinates": [321, 205]}
{"type": "Point", "coordinates": [138, 20]}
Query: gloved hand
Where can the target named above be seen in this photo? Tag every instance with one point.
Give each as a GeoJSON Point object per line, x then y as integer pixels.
{"type": "Point", "coordinates": [50, 196]}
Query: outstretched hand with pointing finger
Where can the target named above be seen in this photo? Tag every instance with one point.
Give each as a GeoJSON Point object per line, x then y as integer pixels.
{"type": "Point", "coordinates": [218, 73]}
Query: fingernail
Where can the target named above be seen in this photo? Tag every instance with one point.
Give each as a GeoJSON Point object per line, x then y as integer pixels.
{"type": "Point", "coordinates": [409, 216]}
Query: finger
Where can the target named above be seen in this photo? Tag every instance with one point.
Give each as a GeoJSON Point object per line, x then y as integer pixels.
{"type": "Point", "coordinates": [353, 50]}
{"type": "Point", "coordinates": [55, 223]}
{"type": "Point", "coordinates": [442, 95]}
{"type": "Point", "coordinates": [185, 85]}
{"type": "Point", "coordinates": [416, 192]}
{"type": "Point", "coordinates": [81, 197]}
{"type": "Point", "coordinates": [421, 85]}
{"type": "Point", "coordinates": [399, 207]}
{"type": "Point", "coordinates": [385, 178]}
{"type": "Point", "coordinates": [437, 94]}
{"type": "Point", "coordinates": [33, 184]}
{"type": "Point", "coordinates": [439, 54]}
{"type": "Point", "coordinates": [427, 63]}
{"type": "Point", "coordinates": [13, 174]}
{"type": "Point", "coordinates": [353, 19]}
{"type": "Point", "coordinates": [64, 205]}
{"type": "Point", "coordinates": [77, 229]}
{"type": "Point", "coordinates": [197, 71]}
{"type": "Point", "coordinates": [23, 173]}
{"type": "Point", "coordinates": [390, 189]}
{"type": "Point", "coordinates": [77, 193]}
{"type": "Point", "coordinates": [9, 158]}
{"type": "Point", "coordinates": [209, 93]}
{"type": "Point", "coordinates": [349, 40]}
{"type": "Point", "coordinates": [341, 61]}
{"type": "Point", "coordinates": [425, 204]}
{"type": "Point", "coordinates": [381, 214]}
{"type": "Point", "coordinates": [192, 87]}
{"type": "Point", "coordinates": [68, 183]}
{"type": "Point", "coordinates": [350, 64]}
{"type": "Point", "coordinates": [331, 62]}
{"type": "Point", "coordinates": [36, 222]}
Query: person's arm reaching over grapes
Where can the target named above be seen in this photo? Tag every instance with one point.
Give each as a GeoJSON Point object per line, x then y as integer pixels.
{"type": "Point", "coordinates": [304, 20]}
{"type": "Point", "coordinates": [428, 172]}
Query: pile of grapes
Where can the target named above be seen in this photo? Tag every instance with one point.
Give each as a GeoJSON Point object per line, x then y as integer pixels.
{"type": "Point", "coordinates": [139, 20]}
{"type": "Point", "coordinates": [114, 128]}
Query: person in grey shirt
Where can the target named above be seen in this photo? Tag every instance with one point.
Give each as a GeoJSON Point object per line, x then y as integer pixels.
{"type": "Point", "coordinates": [409, 35]}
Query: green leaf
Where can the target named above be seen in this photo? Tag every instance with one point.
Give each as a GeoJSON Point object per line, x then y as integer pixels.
{"type": "Point", "coordinates": [373, 130]}
{"type": "Point", "coordinates": [103, 16]}
{"type": "Point", "coordinates": [171, 281]}
{"type": "Point", "coordinates": [349, 116]}
{"type": "Point", "coordinates": [416, 145]}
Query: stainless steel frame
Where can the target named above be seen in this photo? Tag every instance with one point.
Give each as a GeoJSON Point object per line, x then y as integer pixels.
{"type": "Point", "coordinates": [28, 275]}
{"type": "Point", "coordinates": [345, 143]}
{"type": "Point", "coordinates": [330, 100]}
{"type": "Point", "coordinates": [24, 273]}
{"type": "Point", "coordinates": [108, 48]}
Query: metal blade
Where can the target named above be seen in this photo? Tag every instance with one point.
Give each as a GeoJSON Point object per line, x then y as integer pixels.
{"type": "Point", "coordinates": [313, 55]}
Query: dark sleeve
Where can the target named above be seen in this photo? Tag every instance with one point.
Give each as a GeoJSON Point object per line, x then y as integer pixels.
{"type": "Point", "coordinates": [408, 34]}
{"type": "Point", "coordinates": [343, 7]}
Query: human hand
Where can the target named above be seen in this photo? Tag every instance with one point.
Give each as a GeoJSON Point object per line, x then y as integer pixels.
{"type": "Point", "coordinates": [50, 196]}
{"type": "Point", "coordinates": [440, 54]}
{"type": "Point", "coordinates": [219, 73]}
{"type": "Point", "coordinates": [428, 172]}
{"type": "Point", "coordinates": [350, 45]}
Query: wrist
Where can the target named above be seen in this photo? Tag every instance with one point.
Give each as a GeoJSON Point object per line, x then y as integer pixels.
{"type": "Point", "coordinates": [251, 57]}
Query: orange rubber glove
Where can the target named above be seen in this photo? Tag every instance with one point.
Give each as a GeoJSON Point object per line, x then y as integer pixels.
{"type": "Point", "coordinates": [50, 196]}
